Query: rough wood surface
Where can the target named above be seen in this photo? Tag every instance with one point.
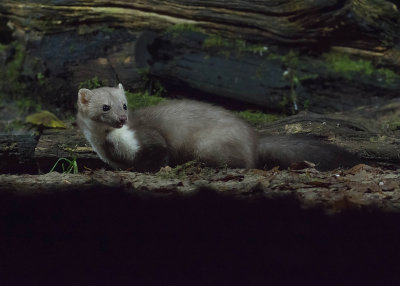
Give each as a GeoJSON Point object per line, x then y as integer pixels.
{"type": "Point", "coordinates": [367, 131]}
{"type": "Point", "coordinates": [69, 143]}
{"type": "Point", "coordinates": [359, 188]}
{"type": "Point", "coordinates": [57, 230]}
{"type": "Point", "coordinates": [288, 21]}
{"type": "Point", "coordinates": [275, 78]}
{"type": "Point", "coordinates": [98, 39]}
{"type": "Point", "coordinates": [336, 55]}
{"type": "Point", "coordinates": [16, 152]}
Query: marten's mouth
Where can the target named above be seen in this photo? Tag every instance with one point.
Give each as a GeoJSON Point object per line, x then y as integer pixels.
{"type": "Point", "coordinates": [118, 124]}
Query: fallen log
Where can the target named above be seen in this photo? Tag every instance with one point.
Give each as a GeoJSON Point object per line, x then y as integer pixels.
{"type": "Point", "coordinates": [371, 24]}
{"type": "Point", "coordinates": [335, 55]}
{"type": "Point", "coordinates": [360, 188]}
{"type": "Point", "coordinates": [279, 79]}
{"type": "Point", "coordinates": [16, 152]}
{"type": "Point", "coordinates": [370, 131]}
{"type": "Point", "coordinates": [233, 225]}
{"type": "Point", "coordinates": [69, 144]}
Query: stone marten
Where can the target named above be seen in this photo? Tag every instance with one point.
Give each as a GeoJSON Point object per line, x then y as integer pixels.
{"type": "Point", "coordinates": [178, 131]}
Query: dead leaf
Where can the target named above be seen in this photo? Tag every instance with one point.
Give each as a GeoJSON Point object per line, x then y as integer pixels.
{"type": "Point", "coordinates": [344, 204]}
{"type": "Point", "coordinates": [165, 170]}
{"type": "Point", "coordinates": [301, 165]}
{"type": "Point", "coordinates": [360, 167]}
{"type": "Point", "coordinates": [261, 172]}
{"type": "Point", "coordinates": [45, 118]}
{"type": "Point", "coordinates": [369, 187]}
{"type": "Point", "coordinates": [320, 184]}
{"type": "Point", "coordinates": [230, 178]}
{"type": "Point", "coordinates": [389, 185]}
{"type": "Point", "coordinates": [361, 176]}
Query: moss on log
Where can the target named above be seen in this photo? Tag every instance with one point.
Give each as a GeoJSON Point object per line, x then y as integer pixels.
{"type": "Point", "coordinates": [287, 21]}
{"type": "Point", "coordinates": [276, 78]}
{"type": "Point", "coordinates": [328, 50]}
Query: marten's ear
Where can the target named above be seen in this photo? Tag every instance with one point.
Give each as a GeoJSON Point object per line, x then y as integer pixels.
{"type": "Point", "coordinates": [84, 96]}
{"type": "Point", "coordinates": [120, 86]}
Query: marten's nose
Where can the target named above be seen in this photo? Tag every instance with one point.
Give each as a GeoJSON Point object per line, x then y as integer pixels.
{"type": "Point", "coordinates": [123, 119]}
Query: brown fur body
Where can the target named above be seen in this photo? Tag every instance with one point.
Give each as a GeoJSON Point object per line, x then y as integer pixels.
{"type": "Point", "coordinates": [178, 131]}
{"type": "Point", "coordinates": [170, 133]}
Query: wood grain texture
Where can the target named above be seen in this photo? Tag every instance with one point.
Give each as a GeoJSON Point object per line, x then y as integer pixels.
{"type": "Point", "coordinates": [289, 21]}
{"type": "Point", "coordinates": [337, 192]}
{"type": "Point", "coordinates": [100, 38]}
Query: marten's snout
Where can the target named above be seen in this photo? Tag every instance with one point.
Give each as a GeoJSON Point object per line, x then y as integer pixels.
{"type": "Point", "coordinates": [122, 119]}
{"type": "Point", "coordinates": [119, 121]}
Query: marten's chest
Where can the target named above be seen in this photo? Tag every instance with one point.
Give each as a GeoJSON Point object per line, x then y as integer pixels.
{"type": "Point", "coordinates": [123, 142]}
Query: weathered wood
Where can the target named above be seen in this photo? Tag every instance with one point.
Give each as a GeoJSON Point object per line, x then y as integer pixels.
{"type": "Point", "coordinates": [16, 152]}
{"type": "Point", "coordinates": [367, 131]}
{"type": "Point", "coordinates": [360, 188]}
{"type": "Point", "coordinates": [289, 21]}
{"type": "Point", "coordinates": [102, 58]}
{"type": "Point", "coordinates": [278, 79]}
{"type": "Point", "coordinates": [163, 236]}
{"type": "Point", "coordinates": [69, 144]}
{"type": "Point", "coordinates": [99, 39]}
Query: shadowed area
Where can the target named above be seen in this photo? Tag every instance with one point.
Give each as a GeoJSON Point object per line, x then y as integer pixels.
{"type": "Point", "coordinates": [108, 237]}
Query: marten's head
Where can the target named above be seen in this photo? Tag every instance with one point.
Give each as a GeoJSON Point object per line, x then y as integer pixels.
{"type": "Point", "coordinates": [107, 105]}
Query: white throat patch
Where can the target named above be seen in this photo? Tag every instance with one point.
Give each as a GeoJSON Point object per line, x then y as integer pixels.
{"type": "Point", "coordinates": [125, 143]}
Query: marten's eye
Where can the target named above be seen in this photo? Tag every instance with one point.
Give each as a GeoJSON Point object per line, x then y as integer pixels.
{"type": "Point", "coordinates": [125, 107]}
{"type": "Point", "coordinates": [106, 107]}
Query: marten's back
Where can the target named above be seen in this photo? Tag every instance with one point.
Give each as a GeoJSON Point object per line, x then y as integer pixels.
{"type": "Point", "coordinates": [199, 130]}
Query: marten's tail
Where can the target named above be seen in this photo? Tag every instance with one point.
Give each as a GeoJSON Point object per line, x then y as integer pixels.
{"type": "Point", "coordinates": [285, 150]}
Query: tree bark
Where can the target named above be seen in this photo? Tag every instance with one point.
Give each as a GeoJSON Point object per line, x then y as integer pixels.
{"type": "Point", "coordinates": [367, 131]}
{"type": "Point", "coordinates": [335, 55]}
{"type": "Point", "coordinates": [288, 21]}
{"type": "Point", "coordinates": [281, 79]}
